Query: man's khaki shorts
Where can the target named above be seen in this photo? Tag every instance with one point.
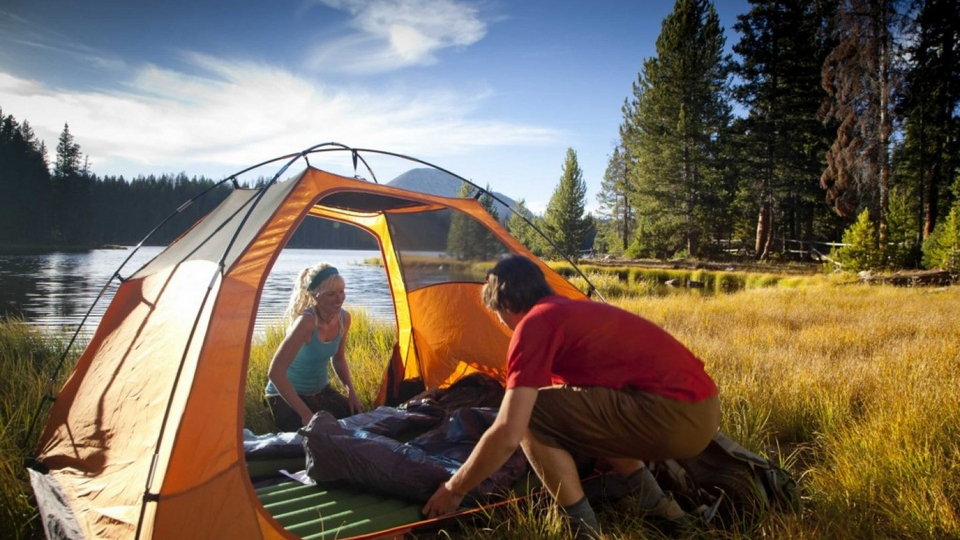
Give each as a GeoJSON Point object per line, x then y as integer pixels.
{"type": "Point", "coordinates": [602, 422]}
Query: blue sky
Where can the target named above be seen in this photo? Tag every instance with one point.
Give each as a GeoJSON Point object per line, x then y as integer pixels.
{"type": "Point", "coordinates": [494, 91]}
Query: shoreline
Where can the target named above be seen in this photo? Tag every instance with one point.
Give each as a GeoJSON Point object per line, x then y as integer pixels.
{"type": "Point", "coordinates": [40, 249]}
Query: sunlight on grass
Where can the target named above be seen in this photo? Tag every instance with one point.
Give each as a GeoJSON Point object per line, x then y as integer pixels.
{"type": "Point", "coordinates": [863, 382]}
{"type": "Point", "coordinates": [854, 388]}
{"type": "Point", "coordinates": [535, 517]}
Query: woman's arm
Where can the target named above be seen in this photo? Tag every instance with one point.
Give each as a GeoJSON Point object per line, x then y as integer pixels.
{"type": "Point", "coordinates": [342, 368]}
{"type": "Point", "coordinates": [298, 334]}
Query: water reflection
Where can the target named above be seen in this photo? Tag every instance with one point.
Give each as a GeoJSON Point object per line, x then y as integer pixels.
{"type": "Point", "coordinates": [366, 284]}
{"type": "Point", "coordinates": [54, 291]}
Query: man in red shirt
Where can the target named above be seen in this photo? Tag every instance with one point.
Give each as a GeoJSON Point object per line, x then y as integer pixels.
{"type": "Point", "coordinates": [592, 379]}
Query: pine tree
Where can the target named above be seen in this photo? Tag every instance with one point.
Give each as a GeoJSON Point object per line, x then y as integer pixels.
{"type": "Point", "coordinates": [488, 204]}
{"type": "Point", "coordinates": [24, 184]}
{"type": "Point", "coordinates": [672, 129]}
{"type": "Point", "coordinates": [861, 82]}
{"type": "Point", "coordinates": [942, 247]}
{"type": "Point", "coordinates": [564, 220]}
{"type": "Point", "coordinates": [524, 228]}
{"type": "Point", "coordinates": [12, 210]}
{"type": "Point", "coordinates": [488, 246]}
{"type": "Point", "coordinates": [860, 251]}
{"type": "Point", "coordinates": [902, 245]}
{"type": "Point", "coordinates": [71, 190]}
{"type": "Point", "coordinates": [781, 50]}
{"type": "Point", "coordinates": [467, 239]}
{"type": "Point", "coordinates": [68, 163]}
{"type": "Point", "coordinates": [614, 199]}
{"type": "Point", "coordinates": [930, 155]}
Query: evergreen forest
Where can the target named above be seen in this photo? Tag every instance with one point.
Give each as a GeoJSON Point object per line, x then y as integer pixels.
{"type": "Point", "coordinates": [832, 123]}
{"type": "Point", "coordinates": [828, 111]}
{"type": "Point", "coordinates": [70, 207]}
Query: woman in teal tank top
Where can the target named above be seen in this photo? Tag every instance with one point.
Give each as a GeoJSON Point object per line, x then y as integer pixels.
{"type": "Point", "coordinates": [298, 386]}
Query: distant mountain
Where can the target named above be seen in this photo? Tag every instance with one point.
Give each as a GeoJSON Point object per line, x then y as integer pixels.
{"type": "Point", "coordinates": [434, 182]}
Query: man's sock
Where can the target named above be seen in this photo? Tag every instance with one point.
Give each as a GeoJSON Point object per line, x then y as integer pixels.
{"type": "Point", "coordinates": [583, 521]}
{"type": "Point", "coordinates": [644, 486]}
{"type": "Point", "coordinates": [652, 499]}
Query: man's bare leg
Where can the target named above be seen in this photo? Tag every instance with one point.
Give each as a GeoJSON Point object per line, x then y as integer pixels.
{"type": "Point", "coordinates": [558, 473]}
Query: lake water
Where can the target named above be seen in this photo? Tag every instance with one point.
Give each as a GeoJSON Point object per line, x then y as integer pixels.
{"type": "Point", "coordinates": [54, 291]}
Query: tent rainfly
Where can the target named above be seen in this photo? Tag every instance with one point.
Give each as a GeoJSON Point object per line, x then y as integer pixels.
{"type": "Point", "coordinates": [144, 440]}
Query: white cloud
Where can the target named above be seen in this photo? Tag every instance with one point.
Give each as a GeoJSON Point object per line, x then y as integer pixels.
{"type": "Point", "coordinates": [237, 113]}
{"type": "Point", "coordinates": [391, 34]}
{"type": "Point", "coordinates": [24, 35]}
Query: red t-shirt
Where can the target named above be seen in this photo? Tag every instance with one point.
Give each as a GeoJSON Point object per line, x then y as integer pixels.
{"type": "Point", "coordinates": [585, 343]}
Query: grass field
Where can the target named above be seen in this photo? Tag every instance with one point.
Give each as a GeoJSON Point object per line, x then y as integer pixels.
{"type": "Point", "coordinates": [27, 360]}
{"type": "Point", "coordinates": [854, 388]}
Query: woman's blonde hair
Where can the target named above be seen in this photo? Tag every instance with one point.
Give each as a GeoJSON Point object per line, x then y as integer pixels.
{"type": "Point", "coordinates": [301, 298]}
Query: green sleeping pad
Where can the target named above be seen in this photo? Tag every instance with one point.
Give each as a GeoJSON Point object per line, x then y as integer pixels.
{"type": "Point", "coordinates": [328, 512]}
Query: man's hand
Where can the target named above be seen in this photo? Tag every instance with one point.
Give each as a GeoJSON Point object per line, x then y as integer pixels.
{"type": "Point", "coordinates": [443, 502]}
{"type": "Point", "coordinates": [492, 450]}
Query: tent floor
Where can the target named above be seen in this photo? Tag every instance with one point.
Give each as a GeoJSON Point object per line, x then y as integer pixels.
{"type": "Point", "coordinates": [340, 511]}
{"type": "Point", "coordinates": [327, 512]}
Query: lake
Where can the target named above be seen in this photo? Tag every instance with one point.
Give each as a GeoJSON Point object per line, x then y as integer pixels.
{"type": "Point", "coordinates": [53, 291]}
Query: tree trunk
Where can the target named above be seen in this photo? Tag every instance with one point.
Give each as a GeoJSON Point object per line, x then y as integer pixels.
{"type": "Point", "coordinates": [625, 235]}
{"type": "Point", "coordinates": [768, 247]}
{"type": "Point", "coordinates": [693, 243]}
{"type": "Point", "coordinates": [886, 127]}
{"type": "Point", "coordinates": [764, 221]}
{"type": "Point", "coordinates": [922, 188]}
{"type": "Point", "coordinates": [930, 203]}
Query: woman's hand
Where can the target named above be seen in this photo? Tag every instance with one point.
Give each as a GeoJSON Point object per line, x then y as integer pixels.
{"type": "Point", "coordinates": [355, 406]}
{"type": "Point", "coordinates": [305, 418]}
{"type": "Point", "coordinates": [342, 369]}
{"type": "Point", "coordinates": [443, 501]}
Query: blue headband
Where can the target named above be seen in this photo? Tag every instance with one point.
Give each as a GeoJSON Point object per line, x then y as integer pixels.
{"type": "Point", "coordinates": [322, 275]}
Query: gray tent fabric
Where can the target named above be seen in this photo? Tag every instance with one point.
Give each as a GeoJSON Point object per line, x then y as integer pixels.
{"type": "Point", "coordinates": [206, 240]}
{"type": "Point", "coordinates": [58, 521]}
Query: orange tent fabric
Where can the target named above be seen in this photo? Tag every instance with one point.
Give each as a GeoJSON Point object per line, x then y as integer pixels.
{"type": "Point", "coordinates": [145, 438]}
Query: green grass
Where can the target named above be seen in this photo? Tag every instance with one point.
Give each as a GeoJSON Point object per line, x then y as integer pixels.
{"type": "Point", "coordinates": [854, 388]}
{"type": "Point", "coordinates": [27, 360]}
{"type": "Point", "coordinates": [628, 281]}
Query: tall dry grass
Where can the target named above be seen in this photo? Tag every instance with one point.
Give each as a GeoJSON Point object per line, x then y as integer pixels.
{"type": "Point", "coordinates": [856, 389]}
{"type": "Point", "coordinates": [27, 361]}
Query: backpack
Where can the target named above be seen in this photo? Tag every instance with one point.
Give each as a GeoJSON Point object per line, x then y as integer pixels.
{"type": "Point", "coordinates": [727, 483]}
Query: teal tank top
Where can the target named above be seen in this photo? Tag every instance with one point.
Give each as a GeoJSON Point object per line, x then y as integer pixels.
{"type": "Point", "coordinates": [308, 371]}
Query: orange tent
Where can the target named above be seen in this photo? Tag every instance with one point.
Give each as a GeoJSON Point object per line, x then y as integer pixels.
{"type": "Point", "coordinates": [145, 438]}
